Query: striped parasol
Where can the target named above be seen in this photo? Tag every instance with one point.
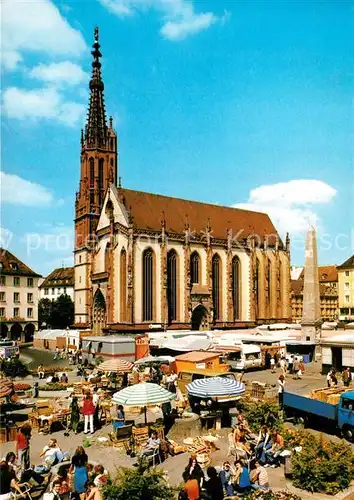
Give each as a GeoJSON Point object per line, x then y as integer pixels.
{"type": "Point", "coordinates": [215, 387]}
{"type": "Point", "coordinates": [143, 395]}
{"type": "Point", "coordinates": [116, 365]}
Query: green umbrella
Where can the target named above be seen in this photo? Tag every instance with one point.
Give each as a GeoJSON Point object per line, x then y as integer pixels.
{"type": "Point", "coordinates": [143, 395]}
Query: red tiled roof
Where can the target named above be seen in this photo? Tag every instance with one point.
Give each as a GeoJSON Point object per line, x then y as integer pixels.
{"type": "Point", "coordinates": [9, 264]}
{"type": "Point", "coordinates": [297, 287]}
{"type": "Point", "coordinates": [149, 209]}
{"type": "Point", "coordinates": [62, 276]}
{"type": "Point", "coordinates": [325, 273]}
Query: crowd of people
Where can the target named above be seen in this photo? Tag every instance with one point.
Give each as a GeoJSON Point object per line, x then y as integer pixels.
{"type": "Point", "coordinates": [252, 454]}
{"type": "Point", "coordinates": [333, 377]}
{"type": "Point", "coordinates": [69, 477]}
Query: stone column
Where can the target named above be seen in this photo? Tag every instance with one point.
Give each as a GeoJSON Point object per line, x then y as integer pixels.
{"type": "Point", "coordinates": [311, 312]}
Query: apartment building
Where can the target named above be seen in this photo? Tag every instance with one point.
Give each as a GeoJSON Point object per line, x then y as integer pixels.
{"type": "Point", "coordinates": [18, 298]}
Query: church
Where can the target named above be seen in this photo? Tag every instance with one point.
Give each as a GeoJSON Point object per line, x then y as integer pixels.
{"type": "Point", "coordinates": [146, 261]}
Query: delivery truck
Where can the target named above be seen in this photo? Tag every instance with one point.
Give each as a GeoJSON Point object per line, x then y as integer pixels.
{"type": "Point", "coordinates": [305, 409]}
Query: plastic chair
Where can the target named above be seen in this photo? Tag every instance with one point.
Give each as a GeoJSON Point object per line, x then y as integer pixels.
{"type": "Point", "coordinates": [153, 455]}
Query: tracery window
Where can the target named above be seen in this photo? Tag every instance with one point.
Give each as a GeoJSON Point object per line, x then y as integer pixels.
{"type": "Point", "coordinates": [195, 268]}
{"type": "Point", "coordinates": [236, 287]}
{"type": "Point", "coordinates": [172, 288]}
{"type": "Point", "coordinates": [148, 285]}
{"type": "Point", "coordinates": [216, 286]}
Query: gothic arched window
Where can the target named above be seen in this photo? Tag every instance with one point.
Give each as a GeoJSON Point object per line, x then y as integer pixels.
{"type": "Point", "coordinates": [123, 285]}
{"type": "Point", "coordinates": [217, 284]}
{"type": "Point", "coordinates": [100, 181]}
{"type": "Point", "coordinates": [236, 287]}
{"type": "Point", "coordinates": [256, 288]}
{"type": "Point", "coordinates": [269, 284]}
{"type": "Point", "coordinates": [92, 172]}
{"type": "Point", "coordinates": [195, 268]}
{"type": "Point", "coordinates": [148, 285]}
{"type": "Point", "coordinates": [172, 288]}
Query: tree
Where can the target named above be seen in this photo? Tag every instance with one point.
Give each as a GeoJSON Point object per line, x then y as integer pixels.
{"type": "Point", "coordinates": [62, 312]}
{"type": "Point", "coordinates": [139, 484]}
{"type": "Point", "coordinates": [44, 312]}
{"type": "Point", "coordinates": [58, 313]}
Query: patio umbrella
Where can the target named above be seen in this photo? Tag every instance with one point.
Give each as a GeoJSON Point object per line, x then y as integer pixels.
{"type": "Point", "coordinates": [215, 387]}
{"type": "Point", "coordinates": [143, 395]}
{"type": "Point", "coordinates": [116, 365]}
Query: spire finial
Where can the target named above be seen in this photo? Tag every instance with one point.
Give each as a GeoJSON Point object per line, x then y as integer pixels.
{"type": "Point", "coordinates": [96, 126]}
{"type": "Point", "coordinates": [119, 182]}
{"type": "Point", "coordinates": [111, 122]}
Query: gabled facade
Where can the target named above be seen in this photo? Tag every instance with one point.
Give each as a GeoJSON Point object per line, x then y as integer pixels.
{"type": "Point", "coordinates": [58, 282]}
{"type": "Point", "coordinates": [159, 262]}
{"type": "Point", "coordinates": [18, 298]}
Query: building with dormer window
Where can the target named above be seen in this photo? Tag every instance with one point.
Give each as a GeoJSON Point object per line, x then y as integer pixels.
{"type": "Point", "coordinates": [18, 298]}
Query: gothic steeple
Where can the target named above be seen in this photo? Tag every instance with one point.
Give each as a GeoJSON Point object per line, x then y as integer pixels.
{"type": "Point", "coordinates": [96, 125]}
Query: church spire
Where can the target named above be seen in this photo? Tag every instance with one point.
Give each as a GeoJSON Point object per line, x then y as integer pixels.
{"type": "Point", "coordinates": [96, 125]}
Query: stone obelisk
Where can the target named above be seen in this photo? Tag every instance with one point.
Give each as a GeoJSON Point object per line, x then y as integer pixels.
{"type": "Point", "coordinates": [311, 311]}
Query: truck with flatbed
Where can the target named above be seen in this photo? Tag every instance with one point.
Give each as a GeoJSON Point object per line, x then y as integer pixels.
{"type": "Point", "coordinates": [306, 409]}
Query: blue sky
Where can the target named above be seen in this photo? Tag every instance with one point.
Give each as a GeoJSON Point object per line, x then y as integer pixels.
{"type": "Point", "coordinates": [238, 103]}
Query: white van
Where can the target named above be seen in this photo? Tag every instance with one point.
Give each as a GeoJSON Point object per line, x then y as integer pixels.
{"type": "Point", "coordinates": [249, 356]}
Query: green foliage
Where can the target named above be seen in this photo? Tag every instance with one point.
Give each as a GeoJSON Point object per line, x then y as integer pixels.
{"type": "Point", "coordinates": [58, 313]}
{"type": "Point", "coordinates": [323, 466]}
{"type": "Point", "coordinates": [258, 413]}
{"type": "Point", "coordinates": [139, 483]}
{"type": "Point", "coordinates": [44, 312]}
{"type": "Point", "coordinates": [14, 367]}
{"type": "Point", "coordinates": [271, 495]}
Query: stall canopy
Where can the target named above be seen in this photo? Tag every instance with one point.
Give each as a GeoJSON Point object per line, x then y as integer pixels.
{"type": "Point", "coordinates": [155, 359]}
{"type": "Point", "coordinates": [215, 387]}
{"type": "Point", "coordinates": [116, 365]}
{"type": "Point", "coordinates": [143, 395]}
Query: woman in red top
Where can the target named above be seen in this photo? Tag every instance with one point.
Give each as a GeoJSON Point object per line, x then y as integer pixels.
{"type": "Point", "coordinates": [22, 447]}
{"type": "Point", "coordinates": [88, 411]}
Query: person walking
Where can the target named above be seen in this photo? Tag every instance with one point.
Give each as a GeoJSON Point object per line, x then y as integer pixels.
{"type": "Point", "coordinates": [296, 367]}
{"type": "Point", "coordinates": [347, 377]}
{"type": "Point", "coordinates": [272, 364]}
{"type": "Point", "coordinates": [281, 387]}
{"type": "Point", "coordinates": [96, 402]}
{"type": "Point", "coordinates": [23, 447]}
{"type": "Point", "coordinates": [75, 414]}
{"type": "Point", "coordinates": [40, 371]}
{"type": "Point", "coordinates": [283, 365]}
{"type": "Point", "coordinates": [88, 411]}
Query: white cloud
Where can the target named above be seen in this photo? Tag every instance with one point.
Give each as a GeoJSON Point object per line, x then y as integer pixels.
{"type": "Point", "coordinates": [179, 17]}
{"type": "Point", "coordinates": [40, 104]}
{"type": "Point", "coordinates": [290, 205]}
{"type": "Point", "coordinates": [36, 26]}
{"type": "Point", "coordinates": [19, 191]}
{"type": "Point", "coordinates": [64, 72]}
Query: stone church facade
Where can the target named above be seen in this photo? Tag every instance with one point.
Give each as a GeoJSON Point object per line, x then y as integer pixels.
{"type": "Point", "coordinates": [147, 261]}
